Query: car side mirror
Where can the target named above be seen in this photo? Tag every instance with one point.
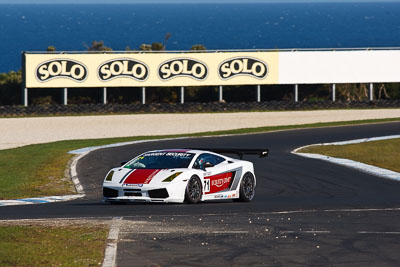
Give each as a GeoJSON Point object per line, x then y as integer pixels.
{"type": "Point", "coordinates": [123, 163]}
{"type": "Point", "coordinates": [208, 165]}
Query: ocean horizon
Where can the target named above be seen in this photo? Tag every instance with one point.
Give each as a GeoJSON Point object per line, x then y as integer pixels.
{"type": "Point", "coordinates": [73, 27]}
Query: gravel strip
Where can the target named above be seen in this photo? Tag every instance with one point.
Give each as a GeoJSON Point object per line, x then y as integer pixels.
{"type": "Point", "coordinates": [26, 131]}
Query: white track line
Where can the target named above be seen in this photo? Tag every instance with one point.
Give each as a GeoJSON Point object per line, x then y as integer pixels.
{"type": "Point", "coordinates": [74, 173]}
{"type": "Point", "coordinates": [39, 200]}
{"type": "Point", "coordinates": [110, 255]}
{"type": "Point", "coordinates": [305, 232]}
{"type": "Point", "coordinates": [273, 212]}
{"type": "Point", "coordinates": [229, 232]}
{"type": "Point", "coordinates": [86, 150]}
{"type": "Point", "coordinates": [378, 233]}
{"type": "Point", "coordinates": [384, 173]}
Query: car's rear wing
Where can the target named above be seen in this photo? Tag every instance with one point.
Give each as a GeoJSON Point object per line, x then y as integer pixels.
{"type": "Point", "coordinates": [238, 151]}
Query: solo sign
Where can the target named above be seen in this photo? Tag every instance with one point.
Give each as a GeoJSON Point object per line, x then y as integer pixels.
{"type": "Point", "coordinates": [137, 69]}
{"type": "Point", "coordinates": [185, 67]}
{"type": "Point", "coordinates": [61, 68]}
{"type": "Point", "coordinates": [243, 66]}
{"type": "Point", "coordinates": [123, 67]}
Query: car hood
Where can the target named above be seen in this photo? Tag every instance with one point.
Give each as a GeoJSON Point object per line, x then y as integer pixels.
{"type": "Point", "coordinates": [142, 176]}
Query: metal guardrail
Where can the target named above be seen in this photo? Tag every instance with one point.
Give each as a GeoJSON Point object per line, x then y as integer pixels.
{"type": "Point", "coordinates": [217, 51]}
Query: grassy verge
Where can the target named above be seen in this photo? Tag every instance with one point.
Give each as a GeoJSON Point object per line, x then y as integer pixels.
{"type": "Point", "coordinates": [38, 170]}
{"type": "Point", "coordinates": [384, 154]}
{"type": "Point", "coordinates": [52, 245]}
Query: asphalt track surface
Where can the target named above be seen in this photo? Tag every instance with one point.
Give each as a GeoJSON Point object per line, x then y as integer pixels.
{"type": "Point", "coordinates": [306, 211]}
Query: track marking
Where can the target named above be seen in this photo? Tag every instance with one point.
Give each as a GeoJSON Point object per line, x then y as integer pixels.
{"type": "Point", "coordinates": [305, 232]}
{"type": "Point", "coordinates": [151, 233]}
{"type": "Point", "coordinates": [74, 173]}
{"type": "Point", "coordinates": [355, 141]}
{"type": "Point", "coordinates": [110, 255]}
{"type": "Point", "coordinates": [384, 173]}
{"type": "Point", "coordinates": [378, 233]}
{"type": "Point", "coordinates": [39, 200]}
{"type": "Point", "coordinates": [229, 232]}
{"type": "Point", "coordinates": [328, 210]}
{"type": "Point", "coordinates": [86, 150]}
{"type": "Point", "coordinates": [265, 213]}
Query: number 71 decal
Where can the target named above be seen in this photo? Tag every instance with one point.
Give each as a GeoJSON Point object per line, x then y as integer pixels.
{"type": "Point", "coordinates": [206, 185]}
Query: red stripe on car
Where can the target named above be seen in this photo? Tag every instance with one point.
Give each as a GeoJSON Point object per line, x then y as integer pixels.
{"type": "Point", "coordinates": [141, 176]}
{"type": "Point", "coordinates": [219, 182]}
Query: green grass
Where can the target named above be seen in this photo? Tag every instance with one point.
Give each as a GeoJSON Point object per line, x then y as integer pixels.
{"type": "Point", "coordinates": [384, 154]}
{"type": "Point", "coordinates": [52, 245]}
{"type": "Point", "coordinates": [38, 170]}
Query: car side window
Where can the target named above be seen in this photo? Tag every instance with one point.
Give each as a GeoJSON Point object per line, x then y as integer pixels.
{"type": "Point", "coordinates": [206, 157]}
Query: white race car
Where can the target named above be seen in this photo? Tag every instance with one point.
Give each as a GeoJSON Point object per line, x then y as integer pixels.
{"type": "Point", "coordinates": [182, 175]}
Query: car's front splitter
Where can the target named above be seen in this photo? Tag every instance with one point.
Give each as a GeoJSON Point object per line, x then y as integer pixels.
{"type": "Point", "coordinates": [126, 199]}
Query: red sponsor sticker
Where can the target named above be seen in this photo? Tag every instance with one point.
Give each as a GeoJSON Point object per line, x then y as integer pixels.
{"type": "Point", "coordinates": [141, 176]}
{"type": "Point", "coordinates": [219, 182]}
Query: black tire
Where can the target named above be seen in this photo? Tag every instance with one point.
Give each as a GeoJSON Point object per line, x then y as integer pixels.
{"type": "Point", "coordinates": [193, 190]}
{"type": "Point", "coordinates": [247, 188]}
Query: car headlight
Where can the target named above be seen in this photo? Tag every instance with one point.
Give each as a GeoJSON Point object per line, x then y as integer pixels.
{"type": "Point", "coordinates": [109, 176]}
{"type": "Point", "coordinates": [172, 177]}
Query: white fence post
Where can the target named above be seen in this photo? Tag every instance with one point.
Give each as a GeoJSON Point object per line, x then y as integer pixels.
{"type": "Point", "coordinates": [296, 93]}
{"type": "Point", "coordinates": [143, 95]}
{"type": "Point", "coordinates": [25, 97]}
{"type": "Point", "coordinates": [104, 95]}
{"type": "Point", "coordinates": [258, 93]}
{"type": "Point", "coordinates": [65, 96]}
{"type": "Point", "coordinates": [182, 95]}
{"type": "Point", "coordinates": [333, 92]}
{"type": "Point", "coordinates": [371, 91]}
{"type": "Point", "coordinates": [220, 93]}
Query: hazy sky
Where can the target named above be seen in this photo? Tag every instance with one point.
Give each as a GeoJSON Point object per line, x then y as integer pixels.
{"type": "Point", "coordinates": [173, 1]}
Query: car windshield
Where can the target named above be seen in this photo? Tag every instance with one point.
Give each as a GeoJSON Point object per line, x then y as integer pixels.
{"type": "Point", "coordinates": [161, 160]}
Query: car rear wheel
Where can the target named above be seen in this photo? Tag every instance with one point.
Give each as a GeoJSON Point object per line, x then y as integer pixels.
{"type": "Point", "coordinates": [247, 188]}
{"type": "Point", "coordinates": [193, 190]}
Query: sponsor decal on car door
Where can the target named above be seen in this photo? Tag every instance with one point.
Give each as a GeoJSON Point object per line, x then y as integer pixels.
{"type": "Point", "coordinates": [217, 183]}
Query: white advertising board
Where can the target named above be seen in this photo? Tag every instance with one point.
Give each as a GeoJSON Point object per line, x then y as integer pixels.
{"type": "Point", "coordinates": [314, 67]}
{"type": "Point", "coordinates": [150, 69]}
{"type": "Point", "coordinates": [68, 70]}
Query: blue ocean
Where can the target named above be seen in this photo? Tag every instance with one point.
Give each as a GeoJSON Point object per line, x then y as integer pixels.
{"type": "Point", "coordinates": [216, 26]}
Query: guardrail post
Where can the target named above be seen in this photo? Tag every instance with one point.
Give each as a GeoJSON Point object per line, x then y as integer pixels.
{"type": "Point", "coordinates": [104, 95]}
{"type": "Point", "coordinates": [65, 96]}
{"type": "Point", "coordinates": [143, 95]}
{"type": "Point", "coordinates": [182, 95]}
{"type": "Point", "coordinates": [371, 91]}
{"type": "Point", "coordinates": [258, 93]}
{"type": "Point", "coordinates": [220, 93]}
{"type": "Point", "coordinates": [25, 97]}
{"type": "Point", "coordinates": [333, 92]}
{"type": "Point", "coordinates": [296, 93]}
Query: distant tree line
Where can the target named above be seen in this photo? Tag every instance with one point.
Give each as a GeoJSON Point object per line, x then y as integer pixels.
{"type": "Point", "coordinates": [11, 91]}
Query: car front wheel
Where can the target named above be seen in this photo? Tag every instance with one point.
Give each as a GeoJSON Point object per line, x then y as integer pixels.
{"type": "Point", "coordinates": [193, 190]}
